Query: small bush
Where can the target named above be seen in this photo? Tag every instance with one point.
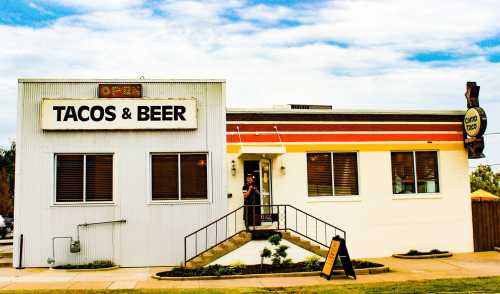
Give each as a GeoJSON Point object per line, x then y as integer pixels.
{"type": "Point", "coordinates": [312, 263]}
{"type": "Point", "coordinates": [275, 239]}
{"type": "Point", "coordinates": [91, 265]}
{"type": "Point", "coordinates": [286, 262]}
{"type": "Point", "coordinates": [237, 265]}
{"type": "Point", "coordinates": [224, 271]}
{"type": "Point", "coordinates": [412, 252]}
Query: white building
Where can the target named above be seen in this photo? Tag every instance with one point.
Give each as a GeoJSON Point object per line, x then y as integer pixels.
{"type": "Point", "coordinates": [154, 229]}
{"type": "Point", "coordinates": [392, 181]}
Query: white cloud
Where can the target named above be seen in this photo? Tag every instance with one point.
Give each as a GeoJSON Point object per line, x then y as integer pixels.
{"type": "Point", "coordinates": [98, 4]}
{"type": "Point", "coordinates": [267, 65]}
{"type": "Point", "coordinates": [266, 13]}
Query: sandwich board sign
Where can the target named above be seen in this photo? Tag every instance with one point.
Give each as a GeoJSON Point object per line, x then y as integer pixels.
{"type": "Point", "coordinates": [337, 249]}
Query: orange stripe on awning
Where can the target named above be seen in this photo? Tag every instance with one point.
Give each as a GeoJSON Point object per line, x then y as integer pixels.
{"type": "Point", "coordinates": [342, 127]}
{"type": "Point", "coordinates": [273, 138]}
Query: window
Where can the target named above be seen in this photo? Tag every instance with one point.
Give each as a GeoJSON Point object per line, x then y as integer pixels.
{"type": "Point", "coordinates": [179, 176]}
{"type": "Point", "coordinates": [332, 174]}
{"type": "Point", "coordinates": [407, 165]}
{"type": "Point", "coordinates": [84, 178]}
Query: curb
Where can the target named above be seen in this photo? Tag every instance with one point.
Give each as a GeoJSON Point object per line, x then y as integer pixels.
{"type": "Point", "coordinates": [85, 269]}
{"type": "Point", "coordinates": [362, 271]}
{"type": "Point", "coordinates": [426, 256]}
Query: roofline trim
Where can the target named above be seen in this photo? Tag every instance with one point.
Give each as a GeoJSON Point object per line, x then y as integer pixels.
{"type": "Point", "coordinates": [55, 80]}
{"type": "Point", "coordinates": [342, 111]}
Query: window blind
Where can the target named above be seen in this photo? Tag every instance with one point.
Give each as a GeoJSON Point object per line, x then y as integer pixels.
{"type": "Point", "coordinates": [319, 174]}
{"type": "Point", "coordinates": [193, 176]}
{"type": "Point", "coordinates": [69, 178]}
{"type": "Point", "coordinates": [165, 177]}
{"type": "Point", "coordinates": [99, 178]}
{"type": "Point", "coordinates": [345, 172]}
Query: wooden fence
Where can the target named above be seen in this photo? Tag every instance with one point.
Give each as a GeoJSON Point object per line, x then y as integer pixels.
{"type": "Point", "coordinates": [486, 224]}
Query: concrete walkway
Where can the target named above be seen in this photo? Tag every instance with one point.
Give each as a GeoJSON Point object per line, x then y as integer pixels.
{"type": "Point", "coordinates": [460, 265]}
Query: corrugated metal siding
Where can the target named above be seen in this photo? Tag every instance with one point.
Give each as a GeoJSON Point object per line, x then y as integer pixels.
{"type": "Point", "coordinates": [154, 233]}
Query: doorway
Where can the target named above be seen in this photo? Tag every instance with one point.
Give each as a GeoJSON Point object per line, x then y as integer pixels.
{"type": "Point", "coordinates": [261, 170]}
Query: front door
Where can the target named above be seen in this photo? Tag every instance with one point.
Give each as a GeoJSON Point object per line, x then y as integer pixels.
{"type": "Point", "coordinates": [261, 170]}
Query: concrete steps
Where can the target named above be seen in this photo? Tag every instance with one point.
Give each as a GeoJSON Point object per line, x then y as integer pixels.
{"type": "Point", "coordinates": [6, 252]}
{"type": "Point", "coordinates": [305, 244]}
{"type": "Point", "coordinates": [5, 262]}
{"type": "Point", "coordinates": [220, 250]}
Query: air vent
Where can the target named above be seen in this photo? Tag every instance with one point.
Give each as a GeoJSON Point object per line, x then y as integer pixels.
{"type": "Point", "coordinates": [307, 106]}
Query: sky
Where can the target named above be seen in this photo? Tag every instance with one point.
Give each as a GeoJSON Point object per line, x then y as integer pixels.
{"type": "Point", "coordinates": [365, 54]}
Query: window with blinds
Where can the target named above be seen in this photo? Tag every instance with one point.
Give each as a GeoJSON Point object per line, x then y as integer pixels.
{"type": "Point", "coordinates": [194, 176]}
{"type": "Point", "coordinates": [330, 174]}
{"type": "Point", "coordinates": [165, 177]}
{"type": "Point", "coordinates": [415, 172]}
{"type": "Point", "coordinates": [345, 173]}
{"type": "Point", "coordinates": [84, 178]}
{"type": "Point", "coordinates": [166, 184]}
{"type": "Point", "coordinates": [69, 179]}
{"type": "Point", "coordinates": [319, 174]}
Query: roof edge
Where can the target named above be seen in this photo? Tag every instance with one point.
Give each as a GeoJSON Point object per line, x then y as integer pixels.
{"type": "Point", "coordinates": [342, 111]}
{"type": "Point", "coordinates": [56, 80]}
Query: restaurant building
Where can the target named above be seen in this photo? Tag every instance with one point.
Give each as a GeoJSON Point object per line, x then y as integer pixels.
{"type": "Point", "coordinates": [150, 173]}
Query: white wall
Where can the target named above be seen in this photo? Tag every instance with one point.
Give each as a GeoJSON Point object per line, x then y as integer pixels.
{"type": "Point", "coordinates": [154, 233]}
{"type": "Point", "coordinates": [377, 222]}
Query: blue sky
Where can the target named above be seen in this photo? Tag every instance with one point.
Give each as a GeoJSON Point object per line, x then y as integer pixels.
{"type": "Point", "coordinates": [350, 54]}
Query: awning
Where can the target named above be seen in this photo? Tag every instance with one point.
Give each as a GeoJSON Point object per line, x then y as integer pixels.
{"type": "Point", "coordinates": [262, 150]}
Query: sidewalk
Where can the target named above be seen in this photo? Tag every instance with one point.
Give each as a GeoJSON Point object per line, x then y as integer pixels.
{"type": "Point", "coordinates": [460, 265]}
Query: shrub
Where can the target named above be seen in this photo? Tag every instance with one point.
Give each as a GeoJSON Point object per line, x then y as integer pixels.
{"type": "Point", "coordinates": [265, 253]}
{"type": "Point", "coordinates": [91, 265]}
{"type": "Point", "coordinates": [224, 271]}
{"type": "Point", "coordinates": [238, 265]}
{"type": "Point", "coordinates": [275, 239]}
{"type": "Point", "coordinates": [312, 263]}
{"type": "Point", "coordinates": [279, 254]}
{"type": "Point", "coordinates": [286, 262]}
{"type": "Point", "coordinates": [412, 252]}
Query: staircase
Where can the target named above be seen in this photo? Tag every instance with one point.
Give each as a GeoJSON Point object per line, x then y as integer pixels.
{"type": "Point", "coordinates": [305, 244]}
{"type": "Point", "coordinates": [6, 253]}
{"type": "Point", "coordinates": [220, 250]}
{"type": "Point", "coordinates": [230, 232]}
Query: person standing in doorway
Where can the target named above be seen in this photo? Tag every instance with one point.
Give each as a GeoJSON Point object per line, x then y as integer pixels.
{"type": "Point", "coordinates": [251, 196]}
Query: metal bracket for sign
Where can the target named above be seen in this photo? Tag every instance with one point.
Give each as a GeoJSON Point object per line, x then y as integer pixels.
{"type": "Point", "coordinates": [338, 249]}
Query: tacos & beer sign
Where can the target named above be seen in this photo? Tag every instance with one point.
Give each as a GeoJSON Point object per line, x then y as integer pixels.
{"type": "Point", "coordinates": [118, 114]}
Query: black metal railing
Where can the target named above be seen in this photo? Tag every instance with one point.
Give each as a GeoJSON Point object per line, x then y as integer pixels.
{"type": "Point", "coordinates": [270, 217]}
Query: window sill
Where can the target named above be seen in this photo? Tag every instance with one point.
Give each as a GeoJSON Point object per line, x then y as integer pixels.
{"type": "Point", "coordinates": [315, 199]}
{"type": "Point", "coordinates": [416, 196]}
{"type": "Point", "coordinates": [83, 204]}
{"type": "Point", "coordinates": [177, 202]}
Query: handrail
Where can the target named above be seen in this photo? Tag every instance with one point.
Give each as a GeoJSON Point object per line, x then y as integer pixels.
{"type": "Point", "coordinates": [222, 217]}
{"type": "Point", "coordinates": [247, 225]}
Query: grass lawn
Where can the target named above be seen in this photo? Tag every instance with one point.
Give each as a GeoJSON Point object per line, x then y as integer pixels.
{"type": "Point", "coordinates": [483, 285]}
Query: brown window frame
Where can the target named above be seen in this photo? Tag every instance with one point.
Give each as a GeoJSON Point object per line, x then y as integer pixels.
{"type": "Point", "coordinates": [84, 194]}
{"type": "Point", "coordinates": [415, 174]}
{"type": "Point", "coordinates": [179, 180]}
{"type": "Point", "coordinates": [332, 166]}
